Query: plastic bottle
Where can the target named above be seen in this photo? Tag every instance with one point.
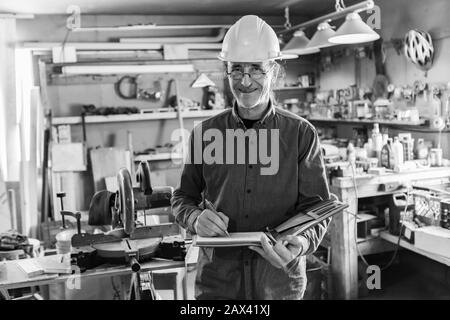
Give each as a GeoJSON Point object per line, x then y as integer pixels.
{"type": "Point", "coordinates": [421, 149]}
{"type": "Point", "coordinates": [377, 140]}
{"type": "Point", "coordinates": [351, 153]}
{"type": "Point", "coordinates": [369, 147]}
{"type": "Point", "coordinates": [387, 155]}
{"type": "Point", "coordinates": [397, 149]}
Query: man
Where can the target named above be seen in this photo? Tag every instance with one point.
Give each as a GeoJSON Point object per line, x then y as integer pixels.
{"type": "Point", "coordinates": [249, 195]}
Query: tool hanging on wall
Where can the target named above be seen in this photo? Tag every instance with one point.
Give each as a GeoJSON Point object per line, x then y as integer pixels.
{"type": "Point", "coordinates": [136, 89]}
{"type": "Point", "coordinates": [381, 82]}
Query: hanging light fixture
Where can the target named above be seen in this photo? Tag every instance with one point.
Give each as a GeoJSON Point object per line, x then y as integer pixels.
{"type": "Point", "coordinates": [287, 25]}
{"type": "Point", "coordinates": [354, 30]}
{"type": "Point", "coordinates": [298, 45]}
{"type": "Point", "coordinates": [320, 38]}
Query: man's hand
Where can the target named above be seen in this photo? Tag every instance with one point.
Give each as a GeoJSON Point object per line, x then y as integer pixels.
{"type": "Point", "coordinates": [211, 224]}
{"type": "Point", "coordinates": [284, 251]}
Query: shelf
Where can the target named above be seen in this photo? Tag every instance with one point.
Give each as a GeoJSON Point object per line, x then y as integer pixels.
{"type": "Point", "coordinates": [294, 88]}
{"type": "Point", "coordinates": [157, 157]}
{"type": "Point", "coordinates": [135, 117]}
{"type": "Point", "coordinates": [385, 122]}
{"type": "Point", "coordinates": [394, 239]}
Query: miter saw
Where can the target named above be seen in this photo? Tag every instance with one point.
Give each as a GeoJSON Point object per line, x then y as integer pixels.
{"type": "Point", "coordinates": [129, 241]}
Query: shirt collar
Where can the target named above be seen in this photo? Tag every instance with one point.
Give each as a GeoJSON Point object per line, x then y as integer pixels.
{"type": "Point", "coordinates": [268, 115]}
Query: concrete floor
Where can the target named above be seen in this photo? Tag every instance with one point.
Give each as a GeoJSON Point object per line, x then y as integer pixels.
{"type": "Point", "coordinates": [412, 277]}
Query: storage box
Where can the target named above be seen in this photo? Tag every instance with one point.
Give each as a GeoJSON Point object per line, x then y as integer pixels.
{"type": "Point", "coordinates": [433, 239]}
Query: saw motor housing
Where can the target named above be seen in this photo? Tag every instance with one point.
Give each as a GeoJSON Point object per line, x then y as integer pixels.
{"type": "Point", "coordinates": [131, 199]}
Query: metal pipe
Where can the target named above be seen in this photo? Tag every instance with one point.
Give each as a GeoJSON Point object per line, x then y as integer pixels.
{"type": "Point", "coordinates": [365, 5]}
{"type": "Point", "coordinates": [217, 38]}
{"type": "Point", "coordinates": [113, 46]}
{"type": "Point", "coordinates": [16, 16]}
{"type": "Point", "coordinates": [150, 27]}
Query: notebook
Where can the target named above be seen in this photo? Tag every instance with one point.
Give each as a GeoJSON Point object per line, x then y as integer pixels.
{"type": "Point", "coordinates": [299, 223]}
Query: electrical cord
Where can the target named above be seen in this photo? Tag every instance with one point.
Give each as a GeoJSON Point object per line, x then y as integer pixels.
{"type": "Point", "coordinates": [63, 45]}
{"type": "Point", "coordinates": [356, 224]}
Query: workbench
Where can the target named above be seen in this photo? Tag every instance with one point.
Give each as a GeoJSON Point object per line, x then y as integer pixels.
{"type": "Point", "coordinates": [343, 242]}
{"type": "Point", "coordinates": [12, 277]}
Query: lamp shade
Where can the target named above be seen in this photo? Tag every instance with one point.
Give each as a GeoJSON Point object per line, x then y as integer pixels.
{"type": "Point", "coordinates": [298, 45]}
{"type": "Point", "coordinates": [320, 38]}
{"type": "Point", "coordinates": [354, 30]}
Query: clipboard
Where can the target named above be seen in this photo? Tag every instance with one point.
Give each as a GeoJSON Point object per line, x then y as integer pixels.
{"type": "Point", "coordinates": [295, 225]}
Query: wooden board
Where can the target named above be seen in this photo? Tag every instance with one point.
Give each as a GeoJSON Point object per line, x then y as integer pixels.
{"type": "Point", "coordinates": [68, 157]}
{"type": "Point", "coordinates": [106, 162]}
{"type": "Point", "coordinates": [6, 220]}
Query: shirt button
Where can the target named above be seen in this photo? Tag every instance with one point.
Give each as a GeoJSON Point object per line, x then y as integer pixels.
{"type": "Point", "coordinates": [248, 190]}
{"type": "Point", "coordinates": [250, 166]}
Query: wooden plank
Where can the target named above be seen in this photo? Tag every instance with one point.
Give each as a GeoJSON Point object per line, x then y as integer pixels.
{"type": "Point", "coordinates": [135, 117]}
{"type": "Point", "coordinates": [344, 256]}
{"type": "Point", "coordinates": [68, 157]}
{"type": "Point", "coordinates": [106, 162]}
{"type": "Point", "coordinates": [7, 221]}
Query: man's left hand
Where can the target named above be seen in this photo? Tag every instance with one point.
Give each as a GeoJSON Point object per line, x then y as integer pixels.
{"type": "Point", "coordinates": [284, 251]}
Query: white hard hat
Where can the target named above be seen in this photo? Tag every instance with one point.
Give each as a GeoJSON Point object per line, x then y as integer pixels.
{"type": "Point", "coordinates": [419, 48]}
{"type": "Point", "coordinates": [250, 39]}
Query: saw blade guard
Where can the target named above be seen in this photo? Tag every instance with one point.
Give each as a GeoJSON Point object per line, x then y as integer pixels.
{"type": "Point", "coordinates": [125, 200]}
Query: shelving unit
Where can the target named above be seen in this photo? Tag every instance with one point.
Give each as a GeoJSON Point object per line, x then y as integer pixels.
{"type": "Point", "coordinates": [294, 88]}
{"type": "Point", "coordinates": [380, 121]}
{"type": "Point", "coordinates": [135, 117]}
{"type": "Point", "coordinates": [157, 157]}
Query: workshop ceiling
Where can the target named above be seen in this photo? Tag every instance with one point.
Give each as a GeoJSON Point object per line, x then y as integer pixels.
{"type": "Point", "coordinates": [305, 8]}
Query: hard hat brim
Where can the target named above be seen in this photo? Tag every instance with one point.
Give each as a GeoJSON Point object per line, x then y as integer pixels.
{"type": "Point", "coordinates": [220, 57]}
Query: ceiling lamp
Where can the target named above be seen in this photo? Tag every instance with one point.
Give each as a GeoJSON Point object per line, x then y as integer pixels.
{"type": "Point", "coordinates": [320, 38]}
{"type": "Point", "coordinates": [354, 30]}
{"type": "Point", "coordinates": [298, 45]}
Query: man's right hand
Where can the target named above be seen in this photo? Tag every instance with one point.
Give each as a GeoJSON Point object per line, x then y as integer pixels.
{"type": "Point", "coordinates": [211, 224]}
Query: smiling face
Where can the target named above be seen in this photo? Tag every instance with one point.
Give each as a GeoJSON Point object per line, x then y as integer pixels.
{"type": "Point", "coordinates": [250, 82]}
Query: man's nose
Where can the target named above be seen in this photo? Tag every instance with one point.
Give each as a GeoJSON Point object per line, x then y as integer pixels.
{"type": "Point", "coordinates": [246, 80]}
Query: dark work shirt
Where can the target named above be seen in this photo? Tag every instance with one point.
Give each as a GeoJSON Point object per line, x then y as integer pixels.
{"type": "Point", "coordinates": [252, 201]}
{"type": "Point", "coordinates": [248, 123]}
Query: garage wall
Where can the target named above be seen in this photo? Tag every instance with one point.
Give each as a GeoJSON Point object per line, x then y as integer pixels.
{"type": "Point", "coordinates": [397, 18]}
{"type": "Point", "coordinates": [431, 16]}
{"type": "Point", "coordinates": [67, 99]}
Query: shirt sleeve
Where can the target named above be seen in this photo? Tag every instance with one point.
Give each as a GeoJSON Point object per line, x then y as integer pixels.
{"type": "Point", "coordinates": [312, 182]}
{"type": "Point", "coordinates": [188, 195]}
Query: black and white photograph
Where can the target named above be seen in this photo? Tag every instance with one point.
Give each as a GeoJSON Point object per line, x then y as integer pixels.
{"type": "Point", "coordinates": [224, 154]}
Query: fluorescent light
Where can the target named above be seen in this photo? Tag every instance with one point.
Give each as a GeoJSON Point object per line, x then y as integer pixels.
{"type": "Point", "coordinates": [298, 45]}
{"type": "Point", "coordinates": [122, 69]}
{"type": "Point", "coordinates": [354, 30]}
{"type": "Point", "coordinates": [320, 38]}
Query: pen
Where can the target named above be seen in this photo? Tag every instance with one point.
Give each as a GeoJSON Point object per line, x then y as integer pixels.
{"type": "Point", "coordinates": [270, 236]}
{"type": "Point", "coordinates": [211, 207]}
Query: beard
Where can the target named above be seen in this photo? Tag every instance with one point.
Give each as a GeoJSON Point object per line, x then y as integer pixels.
{"type": "Point", "coordinates": [252, 100]}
